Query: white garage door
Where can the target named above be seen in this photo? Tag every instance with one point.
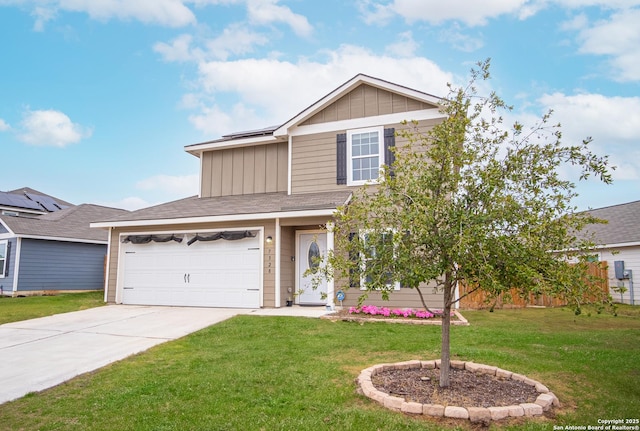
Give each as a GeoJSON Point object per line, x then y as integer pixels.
{"type": "Point", "coordinates": [218, 273]}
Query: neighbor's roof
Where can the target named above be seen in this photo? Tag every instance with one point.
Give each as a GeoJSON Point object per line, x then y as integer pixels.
{"type": "Point", "coordinates": [226, 208]}
{"type": "Point", "coordinates": [68, 224]}
{"type": "Point", "coordinates": [30, 199]}
{"type": "Point", "coordinates": [623, 224]}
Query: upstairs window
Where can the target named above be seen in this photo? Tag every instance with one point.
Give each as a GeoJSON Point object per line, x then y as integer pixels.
{"type": "Point", "coordinates": [361, 154]}
{"type": "Point", "coordinates": [365, 154]}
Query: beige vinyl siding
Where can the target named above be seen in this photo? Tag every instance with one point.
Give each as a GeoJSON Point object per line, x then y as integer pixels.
{"type": "Point", "coordinates": [366, 101]}
{"type": "Point", "coordinates": [287, 265]}
{"type": "Point", "coordinates": [244, 170]}
{"type": "Point", "coordinates": [269, 250]}
{"type": "Point", "coordinates": [313, 160]}
{"type": "Point", "coordinates": [403, 298]}
{"type": "Point", "coordinates": [313, 163]}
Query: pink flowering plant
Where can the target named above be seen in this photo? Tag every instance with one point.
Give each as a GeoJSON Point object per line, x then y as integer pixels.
{"type": "Point", "coordinates": [407, 313]}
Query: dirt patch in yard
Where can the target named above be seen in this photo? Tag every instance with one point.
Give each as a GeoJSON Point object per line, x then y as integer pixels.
{"type": "Point", "coordinates": [467, 389]}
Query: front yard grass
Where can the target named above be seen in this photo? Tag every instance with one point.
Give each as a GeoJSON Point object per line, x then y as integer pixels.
{"type": "Point", "coordinates": [286, 373]}
{"type": "Point", "coordinates": [30, 307]}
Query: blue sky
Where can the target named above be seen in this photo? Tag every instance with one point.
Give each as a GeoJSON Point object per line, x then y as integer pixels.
{"type": "Point", "coordinates": [99, 97]}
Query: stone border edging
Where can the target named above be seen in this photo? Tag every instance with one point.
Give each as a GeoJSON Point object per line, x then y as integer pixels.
{"type": "Point", "coordinates": [460, 321]}
{"type": "Point", "coordinates": [543, 403]}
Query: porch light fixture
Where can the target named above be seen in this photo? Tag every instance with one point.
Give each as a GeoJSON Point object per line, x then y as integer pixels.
{"type": "Point", "coordinates": [269, 240]}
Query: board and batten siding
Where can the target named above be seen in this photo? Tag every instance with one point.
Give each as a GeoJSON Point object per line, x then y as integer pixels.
{"type": "Point", "coordinates": [314, 159]}
{"type": "Point", "coordinates": [366, 101]}
{"type": "Point", "coordinates": [244, 170]}
{"type": "Point", "coordinates": [59, 265]}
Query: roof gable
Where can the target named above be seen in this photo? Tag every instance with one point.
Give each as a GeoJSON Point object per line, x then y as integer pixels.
{"type": "Point", "coordinates": [356, 87]}
{"type": "Point", "coordinates": [362, 96]}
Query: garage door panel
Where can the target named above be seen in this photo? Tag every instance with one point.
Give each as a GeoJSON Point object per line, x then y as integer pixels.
{"type": "Point", "coordinates": [215, 274]}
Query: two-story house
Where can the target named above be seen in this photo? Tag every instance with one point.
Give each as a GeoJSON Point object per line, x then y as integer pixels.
{"type": "Point", "coordinates": [266, 197]}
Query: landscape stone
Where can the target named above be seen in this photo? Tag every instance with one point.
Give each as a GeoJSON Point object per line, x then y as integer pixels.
{"type": "Point", "coordinates": [459, 365]}
{"type": "Point", "coordinates": [531, 409]}
{"type": "Point", "coordinates": [395, 403]}
{"type": "Point", "coordinates": [433, 410]}
{"type": "Point", "coordinates": [542, 388]}
{"type": "Point", "coordinates": [429, 365]}
{"type": "Point", "coordinates": [516, 411]}
{"type": "Point", "coordinates": [545, 401]}
{"type": "Point", "coordinates": [456, 412]}
{"type": "Point", "coordinates": [411, 407]}
{"type": "Point", "coordinates": [498, 413]}
{"type": "Point", "coordinates": [472, 366]}
{"type": "Point", "coordinates": [479, 414]}
{"type": "Point", "coordinates": [503, 373]}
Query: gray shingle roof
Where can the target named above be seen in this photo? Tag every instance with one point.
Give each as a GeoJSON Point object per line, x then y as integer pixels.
{"type": "Point", "coordinates": [70, 223]}
{"type": "Point", "coordinates": [236, 205]}
{"type": "Point", "coordinates": [623, 224]}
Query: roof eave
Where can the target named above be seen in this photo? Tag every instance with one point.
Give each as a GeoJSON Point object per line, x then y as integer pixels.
{"type": "Point", "coordinates": [328, 212]}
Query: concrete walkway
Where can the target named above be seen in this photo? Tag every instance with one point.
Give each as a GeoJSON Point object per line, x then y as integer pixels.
{"type": "Point", "coordinates": [40, 353]}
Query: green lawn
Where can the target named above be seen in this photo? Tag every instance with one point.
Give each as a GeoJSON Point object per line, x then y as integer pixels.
{"type": "Point", "coordinates": [16, 309]}
{"type": "Point", "coordinates": [285, 373]}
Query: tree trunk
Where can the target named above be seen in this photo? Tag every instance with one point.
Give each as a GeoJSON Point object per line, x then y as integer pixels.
{"type": "Point", "coordinates": [445, 365]}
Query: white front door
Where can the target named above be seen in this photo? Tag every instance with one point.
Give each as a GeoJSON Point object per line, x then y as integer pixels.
{"type": "Point", "coordinates": [311, 246]}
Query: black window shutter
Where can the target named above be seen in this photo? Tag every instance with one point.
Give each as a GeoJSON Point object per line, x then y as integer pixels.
{"type": "Point", "coordinates": [341, 168]}
{"type": "Point", "coordinates": [389, 142]}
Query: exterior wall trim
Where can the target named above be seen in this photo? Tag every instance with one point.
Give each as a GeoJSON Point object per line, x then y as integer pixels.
{"type": "Point", "coordinates": [197, 149]}
{"type": "Point", "coordinates": [217, 219]}
{"type": "Point", "coordinates": [16, 265]}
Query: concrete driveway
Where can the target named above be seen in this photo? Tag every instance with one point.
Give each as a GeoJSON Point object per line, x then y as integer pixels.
{"type": "Point", "coordinates": [40, 353]}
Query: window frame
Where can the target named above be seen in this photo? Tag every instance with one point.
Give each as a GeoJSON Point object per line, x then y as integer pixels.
{"type": "Point", "coordinates": [363, 259]}
{"type": "Point", "coordinates": [381, 154]}
{"type": "Point", "coordinates": [3, 261]}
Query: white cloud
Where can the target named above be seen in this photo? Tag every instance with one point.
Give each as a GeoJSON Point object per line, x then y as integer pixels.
{"type": "Point", "coordinates": [4, 126]}
{"type": "Point", "coordinates": [405, 47]}
{"type": "Point", "coordinates": [437, 11]}
{"type": "Point", "coordinates": [171, 13]}
{"type": "Point", "coordinates": [181, 186]}
{"type": "Point", "coordinates": [236, 39]}
{"type": "Point", "coordinates": [270, 91]}
{"type": "Point", "coordinates": [50, 128]}
{"type": "Point", "coordinates": [179, 49]}
{"type": "Point", "coordinates": [612, 122]}
{"type": "Point", "coordinates": [617, 37]}
{"type": "Point", "coordinates": [268, 11]}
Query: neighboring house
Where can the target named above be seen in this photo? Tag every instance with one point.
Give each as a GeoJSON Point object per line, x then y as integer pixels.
{"type": "Point", "coordinates": [52, 252]}
{"type": "Point", "coordinates": [619, 244]}
{"type": "Point", "coordinates": [266, 197]}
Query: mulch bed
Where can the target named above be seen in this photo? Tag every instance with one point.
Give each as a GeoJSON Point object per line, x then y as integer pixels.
{"type": "Point", "coordinates": [467, 389]}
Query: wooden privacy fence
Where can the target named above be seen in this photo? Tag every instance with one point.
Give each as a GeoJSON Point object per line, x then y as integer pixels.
{"type": "Point", "coordinates": [479, 299]}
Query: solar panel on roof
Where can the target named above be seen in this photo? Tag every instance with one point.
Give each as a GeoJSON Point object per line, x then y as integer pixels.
{"type": "Point", "coordinates": [17, 201]}
{"type": "Point", "coordinates": [47, 202]}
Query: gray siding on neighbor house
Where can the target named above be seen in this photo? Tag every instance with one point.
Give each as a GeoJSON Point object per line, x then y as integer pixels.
{"type": "Point", "coordinates": [6, 282]}
{"type": "Point", "coordinates": [58, 265]}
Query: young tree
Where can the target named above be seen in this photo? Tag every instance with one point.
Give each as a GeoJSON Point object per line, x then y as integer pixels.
{"type": "Point", "coordinates": [470, 201]}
